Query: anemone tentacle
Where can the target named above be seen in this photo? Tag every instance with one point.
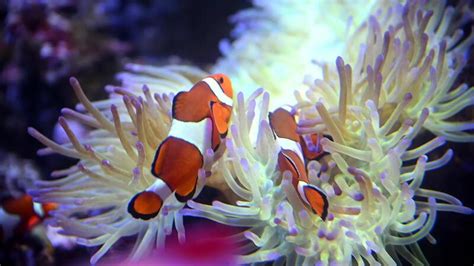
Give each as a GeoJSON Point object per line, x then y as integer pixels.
{"type": "Point", "coordinates": [114, 163]}
{"type": "Point", "coordinates": [393, 79]}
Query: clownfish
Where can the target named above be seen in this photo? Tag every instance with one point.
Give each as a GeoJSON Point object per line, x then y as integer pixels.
{"type": "Point", "coordinates": [20, 215]}
{"type": "Point", "coordinates": [200, 119]}
{"type": "Point", "coordinates": [291, 158]}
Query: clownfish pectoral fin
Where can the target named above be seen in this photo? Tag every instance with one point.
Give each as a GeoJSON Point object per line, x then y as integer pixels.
{"type": "Point", "coordinates": [189, 190]}
{"type": "Point", "coordinates": [145, 205]}
{"type": "Point", "coordinates": [220, 116]}
{"type": "Point", "coordinates": [201, 181]}
{"type": "Point", "coordinates": [315, 198]}
{"type": "Point", "coordinates": [33, 222]}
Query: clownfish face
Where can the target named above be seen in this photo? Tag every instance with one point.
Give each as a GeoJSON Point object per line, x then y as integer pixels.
{"type": "Point", "coordinates": [224, 83]}
{"type": "Point", "coordinates": [221, 87]}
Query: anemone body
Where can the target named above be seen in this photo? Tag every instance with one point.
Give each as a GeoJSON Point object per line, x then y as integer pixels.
{"type": "Point", "coordinates": [274, 46]}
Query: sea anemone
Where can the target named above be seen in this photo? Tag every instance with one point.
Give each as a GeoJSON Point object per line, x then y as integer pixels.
{"type": "Point", "coordinates": [114, 163]}
{"type": "Point", "coordinates": [368, 110]}
{"type": "Point", "coordinates": [400, 83]}
{"type": "Point", "coordinates": [274, 44]}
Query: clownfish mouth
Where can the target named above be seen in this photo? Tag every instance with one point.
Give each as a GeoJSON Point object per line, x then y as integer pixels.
{"type": "Point", "coordinates": [145, 205]}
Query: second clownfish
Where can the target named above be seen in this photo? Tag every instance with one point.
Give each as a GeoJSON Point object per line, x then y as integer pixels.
{"type": "Point", "coordinates": [291, 158]}
{"type": "Point", "coordinates": [200, 119]}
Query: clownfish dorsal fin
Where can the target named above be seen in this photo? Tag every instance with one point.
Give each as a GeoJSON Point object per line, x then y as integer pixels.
{"type": "Point", "coordinates": [145, 205]}
{"type": "Point", "coordinates": [283, 124]}
{"type": "Point", "coordinates": [180, 103]}
{"type": "Point", "coordinates": [192, 105]}
{"type": "Point", "coordinates": [315, 198]}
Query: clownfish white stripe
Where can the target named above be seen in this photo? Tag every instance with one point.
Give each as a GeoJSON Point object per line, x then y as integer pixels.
{"type": "Point", "coordinates": [38, 209]}
{"type": "Point", "coordinates": [288, 144]}
{"type": "Point", "coordinates": [217, 90]}
{"type": "Point", "coordinates": [196, 133]}
{"type": "Point", "coordinates": [160, 188]}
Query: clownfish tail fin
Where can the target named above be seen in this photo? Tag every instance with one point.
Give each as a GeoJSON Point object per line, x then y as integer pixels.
{"type": "Point", "coordinates": [145, 205]}
{"type": "Point", "coordinates": [315, 198]}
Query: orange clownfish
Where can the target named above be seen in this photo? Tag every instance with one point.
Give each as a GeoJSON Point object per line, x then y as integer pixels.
{"type": "Point", "coordinates": [200, 120]}
{"type": "Point", "coordinates": [290, 158]}
{"type": "Point", "coordinates": [20, 215]}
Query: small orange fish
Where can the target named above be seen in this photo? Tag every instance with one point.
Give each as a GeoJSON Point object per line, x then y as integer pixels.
{"type": "Point", "coordinates": [200, 120]}
{"type": "Point", "coordinates": [20, 215]}
{"type": "Point", "coordinates": [290, 158]}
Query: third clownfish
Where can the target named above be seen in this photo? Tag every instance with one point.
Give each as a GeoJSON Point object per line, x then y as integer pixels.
{"type": "Point", "coordinates": [291, 158]}
{"type": "Point", "coordinates": [200, 120]}
{"type": "Point", "coordinates": [20, 215]}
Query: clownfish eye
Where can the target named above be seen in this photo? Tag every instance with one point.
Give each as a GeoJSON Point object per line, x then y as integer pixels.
{"type": "Point", "coordinates": [221, 80]}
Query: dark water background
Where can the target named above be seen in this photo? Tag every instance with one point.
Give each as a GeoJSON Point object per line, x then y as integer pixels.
{"type": "Point", "coordinates": [33, 89]}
